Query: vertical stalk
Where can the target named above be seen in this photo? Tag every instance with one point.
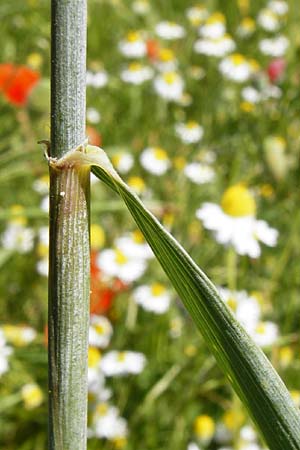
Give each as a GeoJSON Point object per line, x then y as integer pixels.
{"type": "Point", "coordinates": [69, 265]}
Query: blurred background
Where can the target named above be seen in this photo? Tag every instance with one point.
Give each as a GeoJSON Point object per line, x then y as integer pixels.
{"type": "Point", "coordinates": [197, 105]}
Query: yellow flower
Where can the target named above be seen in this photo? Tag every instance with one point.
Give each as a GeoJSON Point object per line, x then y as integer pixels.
{"type": "Point", "coordinates": [137, 184]}
{"type": "Point", "coordinates": [32, 395]}
{"type": "Point", "coordinates": [247, 107]}
{"type": "Point", "coordinates": [17, 215]}
{"type": "Point", "coordinates": [233, 419]}
{"type": "Point", "coordinates": [204, 427]}
{"type": "Point", "coordinates": [237, 201]}
{"type": "Point", "coordinates": [157, 289]}
{"type": "Point", "coordinates": [286, 356]}
{"type": "Point", "coordinates": [35, 60]}
{"type": "Point", "coordinates": [94, 357]}
{"type": "Point", "coordinates": [97, 237]}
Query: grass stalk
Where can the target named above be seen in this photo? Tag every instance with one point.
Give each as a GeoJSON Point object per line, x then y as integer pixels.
{"type": "Point", "coordinates": [69, 266]}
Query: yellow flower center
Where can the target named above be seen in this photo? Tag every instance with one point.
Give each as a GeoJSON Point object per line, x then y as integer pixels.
{"type": "Point", "coordinates": [237, 201]}
{"type": "Point", "coordinates": [191, 124]}
{"type": "Point", "coordinates": [247, 107]}
{"type": "Point", "coordinates": [238, 59]}
{"type": "Point", "coordinates": [170, 77]}
{"type": "Point", "coordinates": [116, 159]}
{"type": "Point", "coordinates": [137, 183]}
{"type": "Point", "coordinates": [121, 356]}
{"type": "Point", "coordinates": [97, 236]}
{"type": "Point", "coordinates": [261, 328]}
{"type": "Point", "coordinates": [100, 329]}
{"type": "Point", "coordinates": [157, 289]}
{"type": "Point", "coordinates": [204, 427]}
{"type": "Point", "coordinates": [42, 250]}
{"type": "Point", "coordinates": [135, 67]}
{"type": "Point", "coordinates": [133, 36]}
{"type": "Point", "coordinates": [138, 237]}
{"type": "Point", "coordinates": [34, 60]}
{"type": "Point", "coordinates": [166, 55]}
{"type": "Point", "coordinates": [32, 396]}
{"type": "Point", "coordinates": [17, 215]}
{"type": "Point", "coordinates": [233, 419]}
{"type": "Point", "coordinates": [217, 17]}
{"type": "Point", "coordinates": [102, 409]}
{"type": "Point", "coordinates": [119, 442]}
{"type": "Point", "coordinates": [94, 357]}
{"type": "Point", "coordinates": [248, 24]}
{"type": "Point", "coordinates": [232, 303]}
{"type": "Point", "coordinates": [120, 258]}
{"type": "Point", "coordinates": [179, 162]}
{"type": "Point", "coordinates": [160, 154]}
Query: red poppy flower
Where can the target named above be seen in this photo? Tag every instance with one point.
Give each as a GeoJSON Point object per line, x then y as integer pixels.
{"type": "Point", "coordinates": [152, 49]}
{"type": "Point", "coordinates": [17, 82]}
{"type": "Point", "coordinates": [276, 69]}
{"type": "Point", "coordinates": [102, 295]}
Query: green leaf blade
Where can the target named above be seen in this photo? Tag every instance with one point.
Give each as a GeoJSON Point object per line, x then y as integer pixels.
{"type": "Point", "coordinates": [249, 371]}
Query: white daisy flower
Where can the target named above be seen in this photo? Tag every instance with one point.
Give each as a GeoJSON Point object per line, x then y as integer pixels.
{"type": "Point", "coordinates": [96, 379]}
{"type": "Point", "coordinates": [196, 15]}
{"type": "Point", "coordinates": [133, 245]}
{"type": "Point", "coordinates": [155, 160]}
{"type": "Point", "coordinates": [19, 335]}
{"type": "Point", "coordinates": [167, 61]}
{"type": "Point", "coordinates": [245, 307]}
{"type": "Point", "coordinates": [274, 47]}
{"type": "Point", "coordinates": [122, 161]}
{"type": "Point", "coordinates": [214, 27]}
{"type": "Point", "coordinates": [107, 423]}
{"type": "Point", "coordinates": [18, 238]}
{"type": "Point", "coordinates": [268, 20]}
{"type": "Point", "coordinates": [96, 385]}
{"type": "Point", "coordinates": [155, 298]}
{"type": "Point", "coordinates": [246, 27]}
{"type": "Point", "coordinates": [115, 363]}
{"type": "Point", "coordinates": [5, 352]}
{"type": "Point", "coordinates": [92, 115]}
{"type": "Point", "coordinates": [141, 7]}
{"type": "Point", "coordinates": [199, 173]}
{"type": "Point", "coordinates": [96, 79]}
{"type": "Point", "coordinates": [133, 46]}
{"type": "Point", "coordinates": [41, 185]}
{"type": "Point", "coordinates": [278, 7]}
{"type": "Point", "coordinates": [237, 68]}
{"type": "Point", "coordinates": [251, 95]}
{"type": "Point", "coordinates": [234, 222]}
{"type": "Point", "coordinates": [264, 333]}
{"type": "Point", "coordinates": [136, 73]}
{"type": "Point", "coordinates": [100, 331]}
{"type": "Point", "coordinates": [114, 263]}
{"type": "Point", "coordinates": [189, 132]}
{"type": "Point", "coordinates": [215, 47]}
{"type": "Point", "coordinates": [169, 85]}
{"type": "Point", "coordinates": [169, 30]}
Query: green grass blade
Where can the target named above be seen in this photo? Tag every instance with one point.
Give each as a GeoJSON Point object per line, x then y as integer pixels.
{"type": "Point", "coordinates": [247, 368]}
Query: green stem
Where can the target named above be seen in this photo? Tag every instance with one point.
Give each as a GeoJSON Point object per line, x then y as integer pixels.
{"type": "Point", "coordinates": [69, 265]}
